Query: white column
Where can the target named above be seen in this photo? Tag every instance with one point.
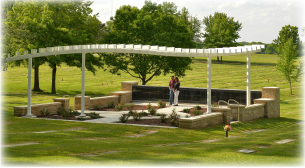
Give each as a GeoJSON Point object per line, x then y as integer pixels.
{"type": "Point", "coordinates": [248, 79]}
{"type": "Point", "coordinates": [209, 93]}
{"type": "Point", "coordinates": [29, 110]}
{"type": "Point", "coordinates": [83, 85]}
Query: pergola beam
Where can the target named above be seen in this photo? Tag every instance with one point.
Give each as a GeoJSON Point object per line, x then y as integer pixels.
{"type": "Point", "coordinates": [138, 49]}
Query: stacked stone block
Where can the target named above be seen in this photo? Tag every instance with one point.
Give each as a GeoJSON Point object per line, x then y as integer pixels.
{"type": "Point", "coordinates": [125, 96]}
{"type": "Point", "coordinates": [103, 101]}
{"type": "Point", "coordinates": [78, 101]}
{"type": "Point", "coordinates": [226, 113]}
{"type": "Point", "coordinates": [127, 85]}
{"type": "Point", "coordinates": [201, 121]}
{"type": "Point", "coordinates": [65, 102]}
{"type": "Point", "coordinates": [271, 100]}
{"type": "Point", "coordinates": [234, 111]}
{"type": "Point", "coordinates": [253, 112]}
{"type": "Point", "coordinates": [35, 109]}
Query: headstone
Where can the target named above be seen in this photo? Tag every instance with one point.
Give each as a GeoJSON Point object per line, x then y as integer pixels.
{"type": "Point", "coordinates": [284, 141]}
{"type": "Point", "coordinates": [246, 151]}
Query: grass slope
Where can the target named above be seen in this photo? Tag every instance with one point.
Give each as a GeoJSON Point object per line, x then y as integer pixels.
{"type": "Point", "coordinates": [69, 144]}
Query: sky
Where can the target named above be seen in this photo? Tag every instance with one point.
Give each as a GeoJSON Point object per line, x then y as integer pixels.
{"type": "Point", "coordinates": [261, 19]}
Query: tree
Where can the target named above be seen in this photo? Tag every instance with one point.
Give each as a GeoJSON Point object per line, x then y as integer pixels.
{"type": "Point", "coordinates": [287, 32]}
{"type": "Point", "coordinates": [151, 25]}
{"type": "Point", "coordinates": [220, 31]}
{"type": "Point", "coordinates": [34, 24]}
{"type": "Point", "coordinates": [288, 53]}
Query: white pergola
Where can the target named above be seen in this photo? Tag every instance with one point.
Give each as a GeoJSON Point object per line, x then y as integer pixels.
{"type": "Point", "coordinates": [137, 49]}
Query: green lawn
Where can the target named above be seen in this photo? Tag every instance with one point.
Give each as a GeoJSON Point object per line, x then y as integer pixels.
{"type": "Point", "coordinates": [69, 143]}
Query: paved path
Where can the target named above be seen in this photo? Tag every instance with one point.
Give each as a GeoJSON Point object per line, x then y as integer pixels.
{"type": "Point", "coordinates": [113, 116]}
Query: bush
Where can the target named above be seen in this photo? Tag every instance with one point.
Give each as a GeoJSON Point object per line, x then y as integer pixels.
{"type": "Point", "coordinates": [197, 107]}
{"type": "Point", "coordinates": [130, 113]}
{"type": "Point", "coordinates": [110, 104]}
{"type": "Point", "coordinates": [81, 118]}
{"type": "Point", "coordinates": [174, 118]}
{"type": "Point", "coordinates": [130, 106]}
{"type": "Point", "coordinates": [186, 110]}
{"type": "Point", "coordinates": [144, 113]}
{"type": "Point", "coordinates": [94, 115]}
{"type": "Point", "coordinates": [66, 114]}
{"type": "Point", "coordinates": [124, 118]}
{"type": "Point", "coordinates": [45, 112]}
{"type": "Point", "coordinates": [75, 112]}
{"type": "Point", "coordinates": [97, 107]}
{"type": "Point", "coordinates": [149, 106]}
{"type": "Point", "coordinates": [187, 116]}
{"type": "Point", "coordinates": [157, 114]}
{"type": "Point", "coordinates": [163, 118]}
{"type": "Point", "coordinates": [119, 107]}
{"type": "Point", "coordinates": [137, 116]}
{"type": "Point", "coordinates": [196, 113]}
{"type": "Point", "coordinates": [152, 111]}
{"type": "Point", "coordinates": [161, 104]}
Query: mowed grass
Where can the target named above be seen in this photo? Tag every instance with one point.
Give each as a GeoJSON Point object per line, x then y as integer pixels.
{"type": "Point", "coordinates": [69, 144]}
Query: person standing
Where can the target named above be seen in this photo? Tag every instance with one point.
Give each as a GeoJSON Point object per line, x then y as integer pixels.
{"type": "Point", "coordinates": [171, 90]}
{"type": "Point", "coordinates": [176, 91]}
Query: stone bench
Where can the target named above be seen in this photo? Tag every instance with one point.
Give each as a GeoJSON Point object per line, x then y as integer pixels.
{"type": "Point", "coordinates": [201, 121]}
{"type": "Point", "coordinates": [35, 109]}
{"type": "Point", "coordinates": [103, 101]}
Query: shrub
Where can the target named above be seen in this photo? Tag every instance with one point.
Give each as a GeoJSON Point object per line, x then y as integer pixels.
{"type": "Point", "coordinates": [94, 115]}
{"type": "Point", "coordinates": [143, 113]}
{"type": "Point", "coordinates": [149, 106]}
{"type": "Point", "coordinates": [137, 116]}
{"type": "Point", "coordinates": [59, 110]}
{"type": "Point", "coordinates": [186, 110]}
{"type": "Point", "coordinates": [75, 112]}
{"type": "Point", "coordinates": [174, 118]}
{"type": "Point", "coordinates": [130, 106]}
{"type": "Point", "coordinates": [152, 111]}
{"type": "Point", "coordinates": [196, 113]}
{"type": "Point", "coordinates": [65, 114]}
{"type": "Point", "coordinates": [157, 114]}
{"type": "Point", "coordinates": [45, 112]}
{"type": "Point", "coordinates": [81, 118]}
{"type": "Point", "coordinates": [161, 104]}
{"type": "Point", "coordinates": [110, 104]}
{"type": "Point", "coordinates": [163, 118]}
{"type": "Point", "coordinates": [197, 107]}
{"type": "Point", "coordinates": [130, 113]}
{"type": "Point", "coordinates": [124, 118]}
{"type": "Point", "coordinates": [187, 116]}
{"type": "Point", "coordinates": [119, 107]}
{"type": "Point", "coordinates": [97, 107]}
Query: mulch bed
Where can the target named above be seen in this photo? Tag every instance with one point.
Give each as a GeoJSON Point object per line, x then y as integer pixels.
{"type": "Point", "coordinates": [54, 116]}
{"type": "Point", "coordinates": [135, 107]}
{"type": "Point", "coordinates": [149, 122]}
{"type": "Point", "coordinates": [203, 110]}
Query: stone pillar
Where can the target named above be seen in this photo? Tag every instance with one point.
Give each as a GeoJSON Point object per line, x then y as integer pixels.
{"type": "Point", "coordinates": [273, 93]}
{"type": "Point", "coordinates": [77, 102]}
{"type": "Point", "coordinates": [127, 85]}
{"type": "Point", "coordinates": [65, 102]}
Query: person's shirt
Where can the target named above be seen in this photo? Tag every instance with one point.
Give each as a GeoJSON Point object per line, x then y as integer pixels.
{"type": "Point", "coordinates": [177, 86]}
{"type": "Point", "coordinates": [172, 84]}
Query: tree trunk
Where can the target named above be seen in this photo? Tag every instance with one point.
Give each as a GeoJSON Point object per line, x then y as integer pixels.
{"type": "Point", "coordinates": [221, 59]}
{"type": "Point", "coordinates": [36, 79]}
{"type": "Point", "coordinates": [53, 79]}
{"type": "Point", "coordinates": [290, 88]}
{"type": "Point", "coordinates": [217, 58]}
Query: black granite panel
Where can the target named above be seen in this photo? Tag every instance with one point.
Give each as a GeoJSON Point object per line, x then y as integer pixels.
{"type": "Point", "coordinates": [140, 92]}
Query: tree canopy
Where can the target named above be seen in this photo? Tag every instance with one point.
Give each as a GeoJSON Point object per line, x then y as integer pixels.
{"type": "Point", "coordinates": [153, 24]}
{"type": "Point", "coordinates": [39, 24]}
{"type": "Point", "coordinates": [287, 47]}
{"type": "Point", "coordinates": [220, 31]}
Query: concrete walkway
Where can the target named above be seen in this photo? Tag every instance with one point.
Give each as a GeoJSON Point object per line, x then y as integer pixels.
{"type": "Point", "coordinates": [113, 116]}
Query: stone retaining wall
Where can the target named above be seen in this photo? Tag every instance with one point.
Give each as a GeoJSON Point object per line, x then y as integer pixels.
{"type": "Point", "coordinates": [103, 101]}
{"type": "Point", "coordinates": [65, 102]}
{"type": "Point", "coordinates": [226, 113]}
{"type": "Point", "coordinates": [78, 102]}
{"type": "Point", "coordinates": [252, 112]}
{"type": "Point", "coordinates": [125, 96]}
{"type": "Point", "coordinates": [201, 121]}
{"type": "Point", "coordinates": [35, 109]}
